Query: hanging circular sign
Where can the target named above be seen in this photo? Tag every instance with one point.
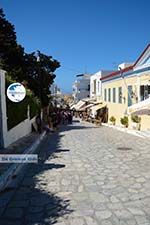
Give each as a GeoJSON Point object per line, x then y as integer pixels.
{"type": "Point", "coordinates": [16, 92]}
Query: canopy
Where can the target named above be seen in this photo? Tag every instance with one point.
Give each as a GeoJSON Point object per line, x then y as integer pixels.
{"type": "Point", "coordinates": [86, 107]}
{"type": "Point", "coordinates": [98, 106]}
{"type": "Point", "coordinates": [78, 105]}
{"type": "Point", "coordinates": [140, 108]}
{"type": "Point", "coordinates": [72, 106]}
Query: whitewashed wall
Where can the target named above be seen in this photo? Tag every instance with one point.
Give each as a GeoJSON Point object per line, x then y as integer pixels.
{"type": "Point", "coordinates": [18, 131]}
{"type": "Point", "coordinates": [95, 77]}
{"type": "Point", "coordinates": [3, 106]}
{"type": "Point", "coordinates": [81, 88]}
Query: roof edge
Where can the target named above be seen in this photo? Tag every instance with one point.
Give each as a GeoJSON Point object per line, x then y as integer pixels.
{"type": "Point", "coordinates": [127, 68]}
{"type": "Point", "coordinates": [117, 72]}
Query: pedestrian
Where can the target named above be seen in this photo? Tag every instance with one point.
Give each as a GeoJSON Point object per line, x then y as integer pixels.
{"type": "Point", "coordinates": [54, 119]}
{"type": "Point", "coordinates": [69, 117]}
{"type": "Point", "coordinates": [39, 122]}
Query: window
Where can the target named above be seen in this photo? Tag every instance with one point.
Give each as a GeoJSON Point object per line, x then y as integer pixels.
{"type": "Point", "coordinates": [109, 94]}
{"type": "Point", "coordinates": [105, 95]}
{"type": "Point", "coordinates": [94, 87]}
{"type": "Point", "coordinates": [144, 92]}
{"type": "Point", "coordinates": [114, 94]}
{"type": "Point", "coordinates": [129, 95]}
{"type": "Point", "coordinates": [120, 94]}
{"type": "Point", "coordinates": [98, 85]}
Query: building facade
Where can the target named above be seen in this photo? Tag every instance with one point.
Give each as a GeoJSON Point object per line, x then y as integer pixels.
{"type": "Point", "coordinates": [55, 90]}
{"type": "Point", "coordinates": [81, 87]}
{"type": "Point", "coordinates": [126, 87]}
{"type": "Point", "coordinates": [96, 85]}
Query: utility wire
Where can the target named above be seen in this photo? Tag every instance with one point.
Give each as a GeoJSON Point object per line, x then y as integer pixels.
{"type": "Point", "coordinates": [71, 69]}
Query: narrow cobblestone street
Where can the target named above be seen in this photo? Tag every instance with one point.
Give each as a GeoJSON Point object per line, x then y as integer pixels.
{"type": "Point", "coordinates": [86, 175]}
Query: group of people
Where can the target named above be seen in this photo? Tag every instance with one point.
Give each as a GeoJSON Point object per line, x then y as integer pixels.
{"type": "Point", "coordinates": [57, 117]}
{"type": "Point", "coordinates": [54, 118]}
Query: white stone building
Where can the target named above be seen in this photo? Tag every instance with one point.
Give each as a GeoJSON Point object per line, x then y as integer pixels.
{"type": "Point", "coordinates": [55, 90]}
{"type": "Point", "coordinates": [95, 84]}
{"type": "Point", "coordinates": [81, 87]}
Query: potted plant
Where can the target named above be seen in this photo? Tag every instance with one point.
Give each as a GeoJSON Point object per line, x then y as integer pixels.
{"type": "Point", "coordinates": [125, 121]}
{"type": "Point", "coordinates": [113, 120]}
{"type": "Point", "coordinates": [136, 121]}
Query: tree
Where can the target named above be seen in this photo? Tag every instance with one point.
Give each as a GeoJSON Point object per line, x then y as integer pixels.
{"type": "Point", "coordinates": [40, 74]}
{"type": "Point", "coordinates": [11, 54]}
{"type": "Point", "coordinates": [24, 67]}
{"type": "Point", "coordinates": [7, 37]}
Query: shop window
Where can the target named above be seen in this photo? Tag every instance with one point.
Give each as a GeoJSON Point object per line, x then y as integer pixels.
{"type": "Point", "coordinates": [144, 92]}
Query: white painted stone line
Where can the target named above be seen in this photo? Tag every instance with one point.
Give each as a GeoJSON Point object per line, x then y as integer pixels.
{"type": "Point", "coordinates": [126, 130]}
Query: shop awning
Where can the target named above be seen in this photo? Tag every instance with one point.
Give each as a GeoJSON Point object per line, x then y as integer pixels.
{"type": "Point", "coordinates": [140, 108]}
{"type": "Point", "coordinates": [78, 105]}
{"type": "Point", "coordinates": [97, 107]}
{"type": "Point", "coordinates": [86, 107]}
{"type": "Point", "coordinates": [72, 106]}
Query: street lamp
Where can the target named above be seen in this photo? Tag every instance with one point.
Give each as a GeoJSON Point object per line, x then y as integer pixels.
{"type": "Point", "coordinates": [121, 73]}
{"type": "Point", "coordinates": [38, 119]}
{"type": "Point", "coordinates": [39, 73]}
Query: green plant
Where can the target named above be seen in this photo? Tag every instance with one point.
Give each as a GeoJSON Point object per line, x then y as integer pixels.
{"type": "Point", "coordinates": [125, 121]}
{"type": "Point", "coordinates": [135, 118]}
{"type": "Point", "coordinates": [112, 119]}
{"type": "Point", "coordinates": [34, 105]}
{"type": "Point", "coordinates": [16, 113]}
{"type": "Point", "coordinates": [21, 66]}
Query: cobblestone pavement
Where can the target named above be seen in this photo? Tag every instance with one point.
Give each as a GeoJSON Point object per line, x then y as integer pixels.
{"type": "Point", "coordinates": [86, 175]}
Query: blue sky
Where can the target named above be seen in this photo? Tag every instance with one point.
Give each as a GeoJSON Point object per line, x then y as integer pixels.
{"type": "Point", "coordinates": [84, 35]}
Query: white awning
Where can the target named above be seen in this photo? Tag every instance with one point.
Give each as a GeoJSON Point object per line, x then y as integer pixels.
{"type": "Point", "coordinates": [140, 108]}
{"type": "Point", "coordinates": [78, 105]}
{"type": "Point", "coordinates": [89, 100]}
{"type": "Point", "coordinates": [98, 106]}
{"type": "Point", "coordinates": [86, 107]}
{"type": "Point", "coordinates": [72, 106]}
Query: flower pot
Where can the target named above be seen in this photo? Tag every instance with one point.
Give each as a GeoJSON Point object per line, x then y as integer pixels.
{"type": "Point", "coordinates": [135, 126]}
{"type": "Point", "coordinates": [112, 123]}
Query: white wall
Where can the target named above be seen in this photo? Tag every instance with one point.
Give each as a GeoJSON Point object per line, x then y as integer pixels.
{"type": "Point", "coordinates": [3, 105]}
{"type": "Point", "coordinates": [81, 88]}
{"type": "Point", "coordinates": [124, 65]}
{"type": "Point", "coordinates": [95, 77]}
{"type": "Point", "coordinates": [21, 129]}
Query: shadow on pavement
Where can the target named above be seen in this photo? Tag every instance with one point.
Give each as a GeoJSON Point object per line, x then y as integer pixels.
{"type": "Point", "coordinates": [71, 127]}
{"type": "Point", "coordinates": [33, 203]}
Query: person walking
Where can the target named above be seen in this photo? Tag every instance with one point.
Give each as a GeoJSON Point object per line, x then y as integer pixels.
{"type": "Point", "coordinates": [38, 121]}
